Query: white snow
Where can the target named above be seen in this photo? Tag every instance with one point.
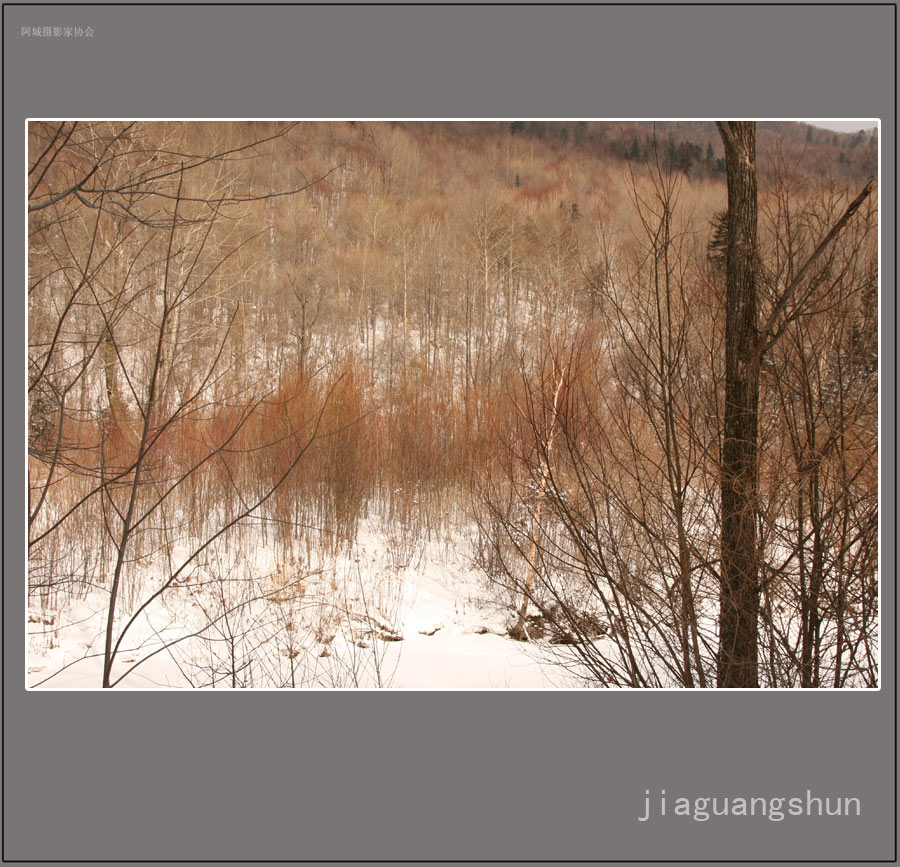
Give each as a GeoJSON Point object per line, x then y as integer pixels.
{"type": "Point", "coordinates": [412, 616]}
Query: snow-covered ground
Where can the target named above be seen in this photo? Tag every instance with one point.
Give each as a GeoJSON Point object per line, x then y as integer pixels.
{"type": "Point", "coordinates": [377, 614]}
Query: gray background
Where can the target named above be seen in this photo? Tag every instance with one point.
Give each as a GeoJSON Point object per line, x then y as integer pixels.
{"type": "Point", "coordinates": [436, 775]}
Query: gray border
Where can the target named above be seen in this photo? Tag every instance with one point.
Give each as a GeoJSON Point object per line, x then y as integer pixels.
{"type": "Point", "coordinates": [430, 776]}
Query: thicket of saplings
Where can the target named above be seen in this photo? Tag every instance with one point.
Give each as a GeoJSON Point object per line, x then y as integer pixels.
{"type": "Point", "coordinates": [257, 337]}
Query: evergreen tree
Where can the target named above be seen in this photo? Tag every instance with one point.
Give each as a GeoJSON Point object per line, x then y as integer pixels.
{"type": "Point", "coordinates": [671, 156]}
{"type": "Point", "coordinates": [718, 242]}
{"type": "Point", "coordinates": [634, 153]}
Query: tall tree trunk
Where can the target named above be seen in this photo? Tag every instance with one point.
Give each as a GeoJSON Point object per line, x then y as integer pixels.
{"type": "Point", "coordinates": [739, 596]}
{"type": "Point", "coordinates": [519, 631]}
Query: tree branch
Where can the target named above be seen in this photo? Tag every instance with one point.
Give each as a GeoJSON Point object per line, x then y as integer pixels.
{"type": "Point", "coordinates": [768, 335]}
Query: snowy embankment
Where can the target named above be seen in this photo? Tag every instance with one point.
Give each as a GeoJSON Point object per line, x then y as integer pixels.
{"type": "Point", "coordinates": [362, 617]}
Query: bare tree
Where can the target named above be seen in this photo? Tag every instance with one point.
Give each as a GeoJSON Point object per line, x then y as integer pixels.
{"type": "Point", "coordinates": [603, 527]}
{"type": "Point", "coordinates": [738, 612]}
{"type": "Point", "coordinates": [746, 344]}
{"type": "Point", "coordinates": [674, 442]}
{"type": "Point", "coordinates": [133, 256]}
{"type": "Point", "coordinates": [819, 464]}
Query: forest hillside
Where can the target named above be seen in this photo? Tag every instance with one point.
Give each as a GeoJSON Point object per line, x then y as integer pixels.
{"type": "Point", "coordinates": [304, 395]}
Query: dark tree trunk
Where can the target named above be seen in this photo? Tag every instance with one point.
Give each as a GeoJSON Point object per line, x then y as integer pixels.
{"type": "Point", "coordinates": [739, 596]}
